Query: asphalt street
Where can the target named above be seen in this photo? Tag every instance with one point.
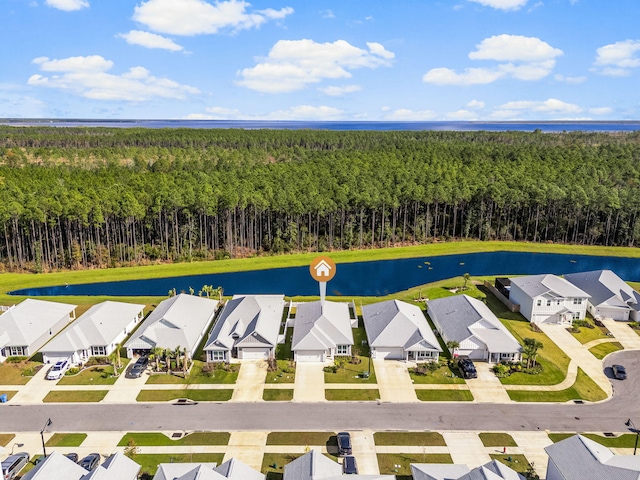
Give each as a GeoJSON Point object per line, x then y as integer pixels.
{"type": "Point", "coordinates": [602, 417]}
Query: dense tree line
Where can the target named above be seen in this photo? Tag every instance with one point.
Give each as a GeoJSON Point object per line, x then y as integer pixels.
{"type": "Point", "coordinates": [81, 197]}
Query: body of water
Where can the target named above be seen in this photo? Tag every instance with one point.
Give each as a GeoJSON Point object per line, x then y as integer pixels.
{"type": "Point", "coordinates": [548, 127]}
{"type": "Point", "coordinates": [375, 278]}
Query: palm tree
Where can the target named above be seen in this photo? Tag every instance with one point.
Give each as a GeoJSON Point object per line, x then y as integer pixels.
{"type": "Point", "coordinates": [467, 277]}
{"type": "Point", "coordinates": [453, 345]}
{"type": "Point", "coordinates": [185, 363]}
{"type": "Point", "coordinates": [157, 353]}
{"type": "Point", "coordinates": [530, 349]}
{"type": "Point", "coordinates": [114, 358]}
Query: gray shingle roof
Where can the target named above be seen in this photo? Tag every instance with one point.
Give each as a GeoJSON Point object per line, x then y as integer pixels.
{"type": "Point", "coordinates": [493, 470]}
{"type": "Point", "coordinates": [236, 470]}
{"type": "Point", "coordinates": [534, 285]}
{"type": "Point", "coordinates": [176, 322]}
{"type": "Point", "coordinates": [56, 467]}
{"type": "Point", "coordinates": [116, 466]}
{"type": "Point", "coordinates": [605, 287]}
{"type": "Point", "coordinates": [319, 328]}
{"type": "Point", "coordinates": [398, 324]}
{"type": "Point", "coordinates": [456, 315]}
{"type": "Point", "coordinates": [172, 471]}
{"type": "Point", "coordinates": [312, 466]}
{"type": "Point", "coordinates": [31, 318]}
{"type": "Point", "coordinates": [254, 319]}
{"type": "Point", "coordinates": [100, 325]}
{"type": "Point", "coordinates": [578, 458]}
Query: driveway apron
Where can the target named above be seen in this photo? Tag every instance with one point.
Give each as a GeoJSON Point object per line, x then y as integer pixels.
{"type": "Point", "coordinates": [532, 445]}
{"type": "Point", "coordinates": [248, 447]}
{"type": "Point", "coordinates": [627, 337]}
{"type": "Point", "coordinates": [579, 354]}
{"type": "Point", "coordinates": [250, 383]}
{"type": "Point", "coordinates": [309, 383]}
{"type": "Point", "coordinates": [126, 390]}
{"type": "Point", "coordinates": [466, 448]}
{"type": "Point", "coordinates": [364, 449]}
{"type": "Point", "coordinates": [34, 391]}
{"type": "Point", "coordinates": [487, 387]}
{"type": "Point", "coordinates": [394, 382]}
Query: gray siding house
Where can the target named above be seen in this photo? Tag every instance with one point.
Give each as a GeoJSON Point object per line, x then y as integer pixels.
{"type": "Point", "coordinates": [478, 331]}
{"type": "Point", "coordinates": [398, 330]}
{"type": "Point", "coordinates": [247, 328]}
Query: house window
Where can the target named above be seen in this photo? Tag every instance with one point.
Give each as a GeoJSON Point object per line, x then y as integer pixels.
{"type": "Point", "coordinates": [16, 351]}
{"type": "Point", "coordinates": [577, 301]}
{"type": "Point", "coordinates": [558, 302]}
{"type": "Point", "coordinates": [99, 351]}
{"type": "Point", "coordinates": [548, 303]}
{"type": "Point", "coordinates": [217, 356]}
{"type": "Point", "coordinates": [342, 349]}
{"type": "Point", "coordinates": [576, 316]}
{"type": "Point", "coordinates": [539, 303]}
{"type": "Point", "coordinates": [424, 355]}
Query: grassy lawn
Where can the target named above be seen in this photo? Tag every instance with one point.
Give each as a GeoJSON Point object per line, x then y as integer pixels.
{"type": "Point", "coordinates": [195, 376]}
{"type": "Point", "coordinates": [98, 375]}
{"type": "Point", "coordinates": [197, 395]}
{"type": "Point", "coordinates": [350, 372]}
{"type": "Point", "coordinates": [443, 375]}
{"type": "Point", "coordinates": [583, 389]}
{"type": "Point", "coordinates": [283, 351]}
{"type": "Point", "coordinates": [623, 441]}
{"type": "Point", "coordinates": [491, 439]}
{"type": "Point", "coordinates": [153, 439]}
{"type": "Point", "coordinates": [149, 462]}
{"type": "Point", "coordinates": [444, 395]}
{"type": "Point", "coordinates": [17, 373]}
{"type": "Point", "coordinates": [286, 373]}
{"type": "Point", "coordinates": [66, 440]}
{"type": "Point", "coordinates": [75, 396]}
{"type": "Point", "coordinates": [604, 349]}
{"type": "Point", "coordinates": [5, 438]}
{"type": "Point", "coordinates": [588, 334]}
{"type": "Point", "coordinates": [387, 461]}
{"type": "Point", "coordinates": [277, 395]}
{"type": "Point", "coordinates": [301, 438]}
{"type": "Point", "coordinates": [519, 463]}
{"type": "Point", "coordinates": [427, 439]}
{"type": "Point", "coordinates": [273, 464]}
{"type": "Point", "coordinates": [350, 395]}
{"type": "Point", "coordinates": [9, 393]}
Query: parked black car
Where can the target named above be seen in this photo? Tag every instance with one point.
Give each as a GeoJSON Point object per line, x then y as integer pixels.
{"type": "Point", "coordinates": [90, 462]}
{"type": "Point", "coordinates": [138, 368]}
{"type": "Point", "coordinates": [350, 467]}
{"type": "Point", "coordinates": [344, 444]}
{"type": "Point", "coordinates": [619, 372]}
{"type": "Point", "coordinates": [467, 368]}
{"type": "Point", "coordinates": [72, 456]}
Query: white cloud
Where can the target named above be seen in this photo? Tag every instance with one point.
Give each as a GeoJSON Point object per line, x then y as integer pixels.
{"type": "Point", "coordinates": [88, 78]}
{"type": "Point", "coordinates": [551, 106]}
{"type": "Point", "coordinates": [502, 4]}
{"type": "Point", "coordinates": [196, 17]}
{"type": "Point", "coordinates": [68, 5]}
{"type": "Point", "coordinates": [300, 112]}
{"type": "Point", "coordinates": [327, 14]}
{"type": "Point", "coordinates": [337, 91]}
{"type": "Point", "coordinates": [462, 114]}
{"type": "Point", "coordinates": [294, 64]}
{"type": "Point", "coordinates": [404, 114]}
{"type": "Point", "coordinates": [475, 104]}
{"type": "Point", "coordinates": [601, 111]}
{"type": "Point", "coordinates": [570, 80]}
{"type": "Point", "coordinates": [617, 59]}
{"type": "Point", "coordinates": [529, 58]}
{"type": "Point", "coordinates": [150, 40]}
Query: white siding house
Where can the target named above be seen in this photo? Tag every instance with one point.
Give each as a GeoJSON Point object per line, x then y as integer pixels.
{"type": "Point", "coordinates": [548, 299]}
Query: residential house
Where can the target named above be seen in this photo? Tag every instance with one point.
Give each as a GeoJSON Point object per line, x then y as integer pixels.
{"type": "Point", "coordinates": [314, 465]}
{"type": "Point", "coordinates": [493, 470]}
{"type": "Point", "coordinates": [610, 296]}
{"type": "Point", "coordinates": [548, 298]}
{"type": "Point", "coordinates": [117, 466]}
{"type": "Point", "coordinates": [579, 458]}
{"type": "Point", "coordinates": [232, 469]}
{"type": "Point", "coordinates": [56, 466]}
{"type": "Point", "coordinates": [96, 333]}
{"type": "Point", "coordinates": [247, 328]}
{"type": "Point", "coordinates": [179, 321]}
{"type": "Point", "coordinates": [479, 333]}
{"type": "Point", "coordinates": [26, 327]}
{"type": "Point", "coordinates": [321, 331]}
{"type": "Point", "coordinates": [399, 330]}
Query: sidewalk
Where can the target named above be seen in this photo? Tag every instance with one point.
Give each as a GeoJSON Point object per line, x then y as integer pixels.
{"type": "Point", "coordinates": [394, 382]}
{"type": "Point", "coordinates": [466, 448]}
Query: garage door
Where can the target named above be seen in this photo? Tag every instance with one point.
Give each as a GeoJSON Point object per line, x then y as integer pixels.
{"type": "Point", "coordinates": [54, 357]}
{"type": "Point", "coordinates": [255, 353]}
{"type": "Point", "coordinates": [389, 353]}
{"type": "Point", "coordinates": [310, 356]}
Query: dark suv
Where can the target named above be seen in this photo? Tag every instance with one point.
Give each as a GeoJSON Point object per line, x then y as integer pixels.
{"type": "Point", "coordinates": [344, 444]}
{"type": "Point", "coordinates": [138, 368]}
{"type": "Point", "coordinates": [467, 368]}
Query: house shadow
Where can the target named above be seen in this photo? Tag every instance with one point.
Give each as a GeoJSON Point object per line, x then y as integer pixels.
{"type": "Point", "coordinates": [332, 446]}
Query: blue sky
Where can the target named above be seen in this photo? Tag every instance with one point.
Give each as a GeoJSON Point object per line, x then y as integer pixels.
{"type": "Point", "coordinates": [331, 60]}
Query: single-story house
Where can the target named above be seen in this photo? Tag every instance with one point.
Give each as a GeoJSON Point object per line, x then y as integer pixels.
{"type": "Point", "coordinates": [494, 470]}
{"type": "Point", "coordinates": [399, 330]}
{"type": "Point", "coordinates": [314, 465]}
{"type": "Point", "coordinates": [117, 466]}
{"type": "Point", "coordinates": [96, 333]}
{"type": "Point", "coordinates": [479, 333]}
{"type": "Point", "coordinates": [26, 327]}
{"type": "Point", "coordinates": [247, 328]}
{"type": "Point", "coordinates": [610, 296]}
{"type": "Point", "coordinates": [232, 469]}
{"type": "Point", "coordinates": [321, 331]}
{"type": "Point", "coordinates": [179, 321]}
{"type": "Point", "coordinates": [548, 298]}
{"type": "Point", "coordinates": [579, 458]}
{"type": "Point", "coordinates": [56, 466]}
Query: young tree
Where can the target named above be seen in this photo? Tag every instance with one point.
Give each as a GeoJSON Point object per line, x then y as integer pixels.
{"type": "Point", "coordinates": [467, 277]}
{"type": "Point", "coordinates": [530, 350]}
{"type": "Point", "coordinates": [453, 346]}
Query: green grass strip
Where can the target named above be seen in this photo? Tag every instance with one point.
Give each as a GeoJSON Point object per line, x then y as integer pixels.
{"type": "Point", "coordinates": [497, 440]}
{"type": "Point", "coordinates": [387, 461]}
{"type": "Point", "coordinates": [583, 389]}
{"type": "Point", "coordinates": [444, 395]}
{"type": "Point", "coordinates": [426, 439]}
{"type": "Point", "coordinates": [354, 395]}
{"type": "Point", "coordinates": [66, 440]}
{"type": "Point", "coordinates": [75, 396]}
{"type": "Point", "coordinates": [149, 461]}
{"type": "Point", "coordinates": [154, 439]}
{"type": "Point", "coordinates": [300, 438]}
{"type": "Point", "coordinates": [277, 395]}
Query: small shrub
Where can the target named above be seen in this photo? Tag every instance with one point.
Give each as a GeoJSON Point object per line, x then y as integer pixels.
{"type": "Point", "coordinates": [634, 325]}
{"type": "Point", "coordinates": [535, 327]}
{"type": "Point", "coordinates": [501, 370]}
{"type": "Point", "coordinates": [419, 369]}
{"type": "Point", "coordinates": [535, 370]}
{"type": "Point", "coordinates": [15, 359]}
{"type": "Point", "coordinates": [72, 371]}
{"type": "Point", "coordinates": [355, 360]}
{"type": "Point", "coordinates": [331, 369]}
{"type": "Point", "coordinates": [272, 365]}
{"type": "Point", "coordinates": [573, 329]}
{"type": "Point", "coordinates": [432, 366]}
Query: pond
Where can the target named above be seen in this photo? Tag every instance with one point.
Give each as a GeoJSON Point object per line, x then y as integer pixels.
{"type": "Point", "coordinates": [375, 278]}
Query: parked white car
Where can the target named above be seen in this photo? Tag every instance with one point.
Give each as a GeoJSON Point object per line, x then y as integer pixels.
{"type": "Point", "coordinates": [57, 371]}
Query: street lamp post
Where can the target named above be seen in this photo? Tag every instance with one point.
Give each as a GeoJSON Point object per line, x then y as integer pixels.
{"type": "Point", "coordinates": [632, 428]}
{"type": "Point", "coordinates": [48, 424]}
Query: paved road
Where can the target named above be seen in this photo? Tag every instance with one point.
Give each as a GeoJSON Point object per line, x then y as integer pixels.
{"type": "Point", "coordinates": [268, 416]}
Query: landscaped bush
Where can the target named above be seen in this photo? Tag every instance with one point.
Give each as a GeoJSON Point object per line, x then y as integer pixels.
{"type": "Point", "coordinates": [355, 360]}
{"type": "Point", "coordinates": [501, 370]}
{"type": "Point", "coordinates": [15, 359]}
{"type": "Point", "coordinates": [72, 371]}
{"type": "Point", "coordinates": [272, 365]}
{"type": "Point", "coordinates": [504, 369]}
{"type": "Point", "coordinates": [425, 368]}
{"type": "Point", "coordinates": [583, 323]}
{"type": "Point", "coordinates": [634, 325]}
{"type": "Point", "coordinates": [331, 369]}
{"type": "Point", "coordinates": [573, 329]}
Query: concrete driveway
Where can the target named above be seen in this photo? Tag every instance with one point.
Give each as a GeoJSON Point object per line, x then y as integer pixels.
{"type": "Point", "coordinates": [250, 383]}
{"type": "Point", "coordinates": [394, 382]}
{"type": "Point", "coordinates": [309, 383]}
{"type": "Point", "coordinates": [364, 449]}
{"type": "Point", "coordinates": [627, 337]}
{"type": "Point", "coordinates": [487, 387]}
